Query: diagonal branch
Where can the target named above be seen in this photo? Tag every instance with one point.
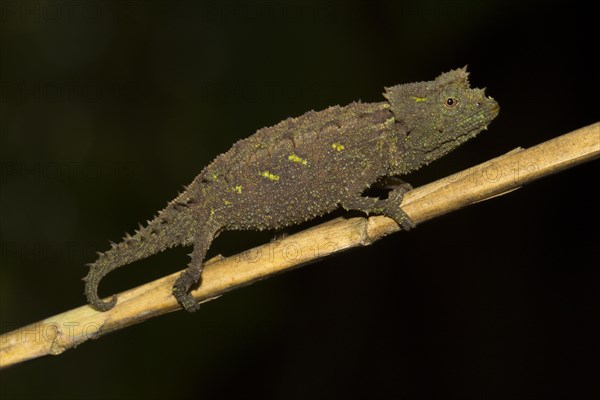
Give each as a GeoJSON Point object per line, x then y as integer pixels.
{"type": "Point", "coordinates": [501, 175]}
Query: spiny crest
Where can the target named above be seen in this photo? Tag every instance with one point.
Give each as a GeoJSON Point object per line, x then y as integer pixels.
{"type": "Point", "coordinates": [397, 93]}
{"type": "Point", "coordinates": [459, 75]}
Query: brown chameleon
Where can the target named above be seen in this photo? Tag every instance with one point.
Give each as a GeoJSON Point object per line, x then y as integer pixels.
{"type": "Point", "coordinates": [305, 167]}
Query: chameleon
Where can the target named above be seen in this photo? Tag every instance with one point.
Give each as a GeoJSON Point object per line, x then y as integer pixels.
{"type": "Point", "coordinates": [305, 167]}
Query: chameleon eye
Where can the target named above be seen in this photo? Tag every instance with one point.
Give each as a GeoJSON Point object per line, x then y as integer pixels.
{"type": "Point", "coordinates": [451, 102]}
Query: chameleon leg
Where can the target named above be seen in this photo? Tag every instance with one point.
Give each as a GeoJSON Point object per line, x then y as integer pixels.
{"type": "Point", "coordinates": [191, 276]}
{"type": "Point", "coordinates": [361, 203]}
{"type": "Point", "coordinates": [390, 207]}
{"type": "Point", "coordinates": [184, 282]}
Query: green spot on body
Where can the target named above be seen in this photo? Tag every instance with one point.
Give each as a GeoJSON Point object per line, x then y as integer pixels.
{"type": "Point", "coordinates": [389, 122]}
{"type": "Point", "coordinates": [270, 176]}
{"type": "Point", "coordinates": [294, 158]}
{"type": "Point", "coordinates": [238, 189]}
{"type": "Point", "coordinates": [419, 99]}
{"type": "Point", "coordinates": [227, 202]}
{"type": "Point", "coordinates": [337, 146]}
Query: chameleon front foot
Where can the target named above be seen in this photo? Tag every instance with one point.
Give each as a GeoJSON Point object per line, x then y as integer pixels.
{"type": "Point", "coordinates": [404, 221]}
{"type": "Point", "coordinates": [183, 284]}
{"type": "Point", "coordinates": [392, 208]}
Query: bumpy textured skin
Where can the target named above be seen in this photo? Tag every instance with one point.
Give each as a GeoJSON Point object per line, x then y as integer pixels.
{"type": "Point", "coordinates": [305, 167]}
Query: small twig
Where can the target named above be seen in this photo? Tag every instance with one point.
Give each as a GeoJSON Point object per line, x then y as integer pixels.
{"type": "Point", "coordinates": [493, 178]}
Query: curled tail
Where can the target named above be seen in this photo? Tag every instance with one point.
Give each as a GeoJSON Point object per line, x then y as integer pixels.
{"type": "Point", "coordinates": [92, 280]}
{"type": "Point", "coordinates": [172, 227]}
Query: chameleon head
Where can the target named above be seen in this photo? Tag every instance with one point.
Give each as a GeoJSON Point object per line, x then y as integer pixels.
{"type": "Point", "coordinates": [440, 115]}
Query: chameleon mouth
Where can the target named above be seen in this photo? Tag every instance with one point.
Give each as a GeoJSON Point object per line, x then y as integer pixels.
{"type": "Point", "coordinates": [479, 120]}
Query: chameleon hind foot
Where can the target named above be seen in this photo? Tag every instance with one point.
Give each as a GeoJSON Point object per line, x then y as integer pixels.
{"type": "Point", "coordinates": [183, 284]}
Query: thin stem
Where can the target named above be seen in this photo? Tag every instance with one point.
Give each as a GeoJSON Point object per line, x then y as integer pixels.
{"type": "Point", "coordinates": [499, 176]}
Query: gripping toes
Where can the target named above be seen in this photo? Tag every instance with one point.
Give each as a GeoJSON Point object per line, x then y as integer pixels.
{"type": "Point", "coordinates": [183, 284]}
{"type": "Point", "coordinates": [392, 209]}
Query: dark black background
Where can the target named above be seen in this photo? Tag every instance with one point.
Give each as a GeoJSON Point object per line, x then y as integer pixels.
{"type": "Point", "coordinates": [107, 108]}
